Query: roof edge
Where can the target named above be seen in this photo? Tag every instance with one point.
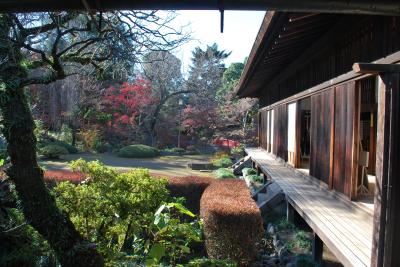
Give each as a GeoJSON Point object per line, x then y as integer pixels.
{"type": "Point", "coordinates": [269, 21]}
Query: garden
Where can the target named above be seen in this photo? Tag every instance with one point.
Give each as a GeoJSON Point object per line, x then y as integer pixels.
{"type": "Point", "coordinates": [112, 156]}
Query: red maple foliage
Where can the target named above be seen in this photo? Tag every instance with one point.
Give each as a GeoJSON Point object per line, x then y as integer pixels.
{"type": "Point", "coordinates": [198, 117]}
{"type": "Point", "coordinates": [128, 101]}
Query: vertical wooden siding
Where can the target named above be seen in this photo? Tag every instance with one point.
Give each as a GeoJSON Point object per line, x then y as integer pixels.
{"type": "Point", "coordinates": [321, 123]}
{"type": "Point", "coordinates": [280, 132]}
{"type": "Point", "coordinates": [386, 237]}
{"type": "Point", "coordinates": [345, 108]}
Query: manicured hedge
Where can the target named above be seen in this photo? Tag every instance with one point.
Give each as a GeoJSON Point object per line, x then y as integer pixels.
{"type": "Point", "coordinates": [138, 151]}
{"type": "Point", "coordinates": [232, 222]}
{"type": "Point", "coordinates": [53, 151]}
{"type": "Point", "coordinates": [63, 175]}
{"type": "Point", "coordinates": [191, 188]}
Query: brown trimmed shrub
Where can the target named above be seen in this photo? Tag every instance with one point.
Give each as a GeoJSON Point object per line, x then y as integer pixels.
{"type": "Point", "coordinates": [63, 175]}
{"type": "Point", "coordinates": [191, 188]}
{"type": "Point", "coordinates": [232, 222]}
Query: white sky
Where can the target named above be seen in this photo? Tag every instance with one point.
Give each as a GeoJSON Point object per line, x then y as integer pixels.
{"type": "Point", "coordinates": [240, 31]}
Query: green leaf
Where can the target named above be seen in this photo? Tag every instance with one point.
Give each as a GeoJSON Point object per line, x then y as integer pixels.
{"type": "Point", "coordinates": [185, 249]}
{"type": "Point", "coordinates": [156, 253]}
{"type": "Point", "coordinates": [181, 209]}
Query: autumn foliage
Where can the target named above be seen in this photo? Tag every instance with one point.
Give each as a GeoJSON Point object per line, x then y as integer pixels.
{"type": "Point", "coordinates": [128, 101]}
{"type": "Point", "coordinates": [232, 222]}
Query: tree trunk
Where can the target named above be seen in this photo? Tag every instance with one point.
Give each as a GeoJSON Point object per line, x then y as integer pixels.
{"type": "Point", "coordinates": [38, 205]}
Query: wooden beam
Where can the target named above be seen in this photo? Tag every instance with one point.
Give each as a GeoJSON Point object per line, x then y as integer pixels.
{"type": "Point", "coordinates": [373, 68]}
{"type": "Point", "coordinates": [371, 7]}
{"type": "Point", "coordinates": [351, 75]}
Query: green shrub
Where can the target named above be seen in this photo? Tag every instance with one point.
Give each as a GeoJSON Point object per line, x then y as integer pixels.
{"type": "Point", "coordinates": [255, 178]}
{"type": "Point", "coordinates": [284, 224]}
{"type": "Point", "coordinates": [171, 239]}
{"type": "Point", "coordinates": [205, 262]}
{"type": "Point", "coordinates": [238, 151]}
{"type": "Point", "coordinates": [53, 151]}
{"type": "Point", "coordinates": [138, 151]}
{"type": "Point", "coordinates": [42, 143]}
{"type": "Point", "coordinates": [222, 162]}
{"type": "Point", "coordinates": [233, 225]}
{"type": "Point", "coordinates": [20, 244]}
{"type": "Point", "coordinates": [101, 147]}
{"type": "Point", "coordinates": [112, 209]}
{"type": "Point", "coordinates": [302, 240]}
{"type": "Point", "coordinates": [176, 150]}
{"type": "Point", "coordinates": [248, 171]}
{"type": "Point", "coordinates": [71, 149]}
{"type": "Point", "coordinates": [223, 173]}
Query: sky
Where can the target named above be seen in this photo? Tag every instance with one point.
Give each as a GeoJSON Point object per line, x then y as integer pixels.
{"type": "Point", "coordinates": [240, 31]}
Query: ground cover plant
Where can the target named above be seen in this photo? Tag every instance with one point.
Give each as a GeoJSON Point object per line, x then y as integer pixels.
{"type": "Point", "coordinates": [138, 151]}
{"type": "Point", "coordinates": [223, 173]}
{"type": "Point", "coordinates": [232, 222]}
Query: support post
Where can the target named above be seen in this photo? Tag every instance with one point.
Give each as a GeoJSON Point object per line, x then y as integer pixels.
{"type": "Point", "coordinates": [290, 212]}
{"type": "Point", "coordinates": [317, 249]}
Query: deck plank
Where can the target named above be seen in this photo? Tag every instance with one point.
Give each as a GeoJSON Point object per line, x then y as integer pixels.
{"type": "Point", "coordinates": [344, 228]}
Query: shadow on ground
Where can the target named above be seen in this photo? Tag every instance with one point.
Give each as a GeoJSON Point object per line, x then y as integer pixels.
{"type": "Point", "coordinates": [166, 165]}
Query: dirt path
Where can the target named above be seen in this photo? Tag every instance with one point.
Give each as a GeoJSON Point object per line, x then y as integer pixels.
{"type": "Point", "coordinates": [165, 165]}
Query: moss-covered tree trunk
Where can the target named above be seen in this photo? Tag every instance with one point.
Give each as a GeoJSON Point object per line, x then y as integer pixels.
{"type": "Point", "coordinates": [38, 205]}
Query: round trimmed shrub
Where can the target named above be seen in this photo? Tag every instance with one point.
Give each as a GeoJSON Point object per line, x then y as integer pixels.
{"type": "Point", "coordinates": [223, 173]}
{"type": "Point", "coordinates": [138, 151]}
{"type": "Point", "coordinates": [53, 151]}
{"type": "Point", "coordinates": [71, 149]}
{"type": "Point", "coordinates": [232, 222]}
{"type": "Point", "coordinates": [222, 162]}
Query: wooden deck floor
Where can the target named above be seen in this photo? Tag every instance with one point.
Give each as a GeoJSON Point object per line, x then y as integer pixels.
{"type": "Point", "coordinates": [343, 227]}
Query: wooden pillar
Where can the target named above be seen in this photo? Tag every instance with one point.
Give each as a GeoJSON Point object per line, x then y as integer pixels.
{"type": "Point", "coordinates": [290, 212]}
{"type": "Point", "coordinates": [317, 249]}
{"type": "Point", "coordinates": [386, 236]}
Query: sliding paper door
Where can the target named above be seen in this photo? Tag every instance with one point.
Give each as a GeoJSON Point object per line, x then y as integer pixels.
{"type": "Point", "coordinates": [291, 131]}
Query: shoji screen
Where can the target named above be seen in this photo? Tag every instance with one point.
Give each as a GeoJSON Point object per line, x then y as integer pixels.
{"type": "Point", "coordinates": [291, 130]}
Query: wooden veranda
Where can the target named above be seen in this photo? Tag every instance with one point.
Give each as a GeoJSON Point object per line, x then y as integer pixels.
{"type": "Point", "coordinates": [344, 227]}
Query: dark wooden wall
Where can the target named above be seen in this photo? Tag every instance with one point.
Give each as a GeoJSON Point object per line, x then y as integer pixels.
{"type": "Point", "coordinates": [280, 132]}
{"type": "Point", "coordinates": [386, 236]}
{"type": "Point", "coordinates": [363, 39]}
{"type": "Point", "coordinates": [321, 124]}
{"type": "Point", "coordinates": [343, 141]}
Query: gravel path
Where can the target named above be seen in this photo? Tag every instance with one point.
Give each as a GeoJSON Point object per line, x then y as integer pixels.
{"type": "Point", "coordinates": [165, 165]}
